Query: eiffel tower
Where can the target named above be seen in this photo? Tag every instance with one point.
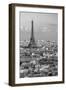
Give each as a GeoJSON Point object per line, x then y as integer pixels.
{"type": "Point", "coordinates": [32, 43]}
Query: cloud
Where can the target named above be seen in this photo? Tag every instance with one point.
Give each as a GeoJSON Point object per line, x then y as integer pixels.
{"type": "Point", "coordinates": [26, 29]}
{"type": "Point", "coordinates": [44, 29]}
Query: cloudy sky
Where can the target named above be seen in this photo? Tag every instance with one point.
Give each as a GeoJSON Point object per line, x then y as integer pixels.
{"type": "Point", "coordinates": [45, 26]}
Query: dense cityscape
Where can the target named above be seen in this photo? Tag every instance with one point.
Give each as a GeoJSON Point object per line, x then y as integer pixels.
{"type": "Point", "coordinates": [38, 58]}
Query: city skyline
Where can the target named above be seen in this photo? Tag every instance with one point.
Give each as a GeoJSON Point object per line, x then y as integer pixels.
{"type": "Point", "coordinates": [38, 60]}
{"type": "Point", "coordinates": [45, 29]}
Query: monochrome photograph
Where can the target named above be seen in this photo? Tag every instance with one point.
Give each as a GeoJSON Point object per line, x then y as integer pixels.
{"type": "Point", "coordinates": [38, 44]}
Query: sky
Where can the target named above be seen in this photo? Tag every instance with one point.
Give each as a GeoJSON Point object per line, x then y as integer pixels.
{"type": "Point", "coordinates": [45, 26]}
